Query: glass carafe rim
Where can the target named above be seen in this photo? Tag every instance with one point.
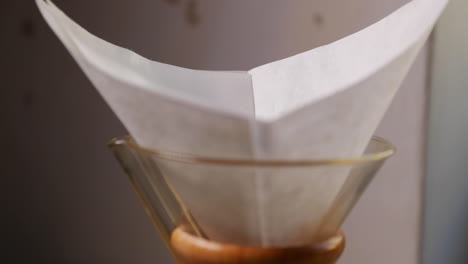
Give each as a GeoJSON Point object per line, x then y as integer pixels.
{"type": "Point", "coordinates": [387, 150]}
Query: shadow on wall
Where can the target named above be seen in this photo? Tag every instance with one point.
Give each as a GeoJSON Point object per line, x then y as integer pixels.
{"type": "Point", "coordinates": [446, 210]}
{"type": "Point", "coordinates": [190, 10]}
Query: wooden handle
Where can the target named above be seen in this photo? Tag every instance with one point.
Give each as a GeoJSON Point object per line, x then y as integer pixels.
{"type": "Point", "coordinates": [193, 250]}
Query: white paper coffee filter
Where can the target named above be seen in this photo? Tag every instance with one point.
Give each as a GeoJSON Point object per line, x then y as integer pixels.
{"type": "Point", "coordinates": [324, 103]}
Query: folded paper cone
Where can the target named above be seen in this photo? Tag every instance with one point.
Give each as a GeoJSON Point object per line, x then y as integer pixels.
{"type": "Point", "coordinates": [324, 103]}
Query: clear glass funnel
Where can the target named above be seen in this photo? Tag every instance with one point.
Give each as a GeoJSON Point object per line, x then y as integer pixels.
{"type": "Point", "coordinates": [203, 204]}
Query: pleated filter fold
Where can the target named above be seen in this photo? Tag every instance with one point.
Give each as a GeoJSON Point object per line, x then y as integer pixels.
{"type": "Point", "coordinates": [323, 103]}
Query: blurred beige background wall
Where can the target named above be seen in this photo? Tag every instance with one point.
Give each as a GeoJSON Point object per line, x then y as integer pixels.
{"type": "Point", "coordinates": [446, 210]}
{"type": "Point", "coordinates": [66, 200]}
